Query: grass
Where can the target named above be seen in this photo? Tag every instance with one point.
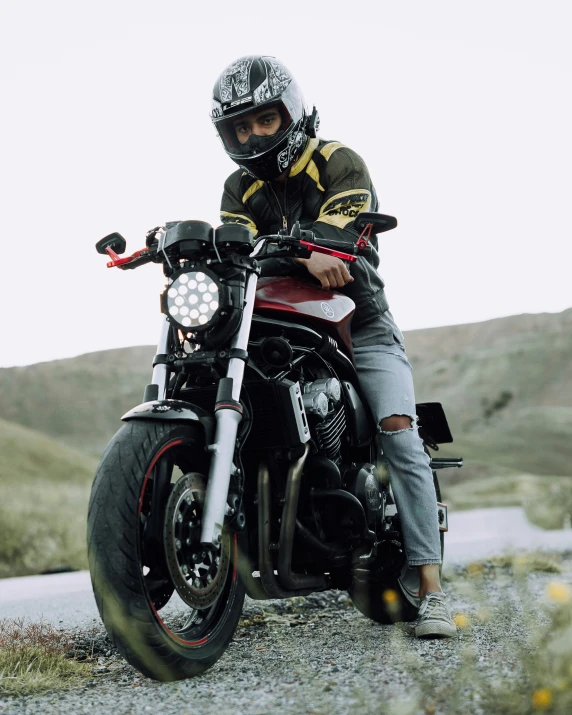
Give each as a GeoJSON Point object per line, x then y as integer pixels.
{"type": "Point", "coordinates": [45, 491]}
{"type": "Point", "coordinates": [35, 658]}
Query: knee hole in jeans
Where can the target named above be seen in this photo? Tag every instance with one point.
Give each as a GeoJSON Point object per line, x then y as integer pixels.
{"type": "Point", "coordinates": [397, 423]}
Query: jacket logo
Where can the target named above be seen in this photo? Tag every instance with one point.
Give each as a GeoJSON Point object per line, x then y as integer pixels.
{"type": "Point", "coordinates": [349, 206]}
{"type": "Point", "coordinates": [328, 310]}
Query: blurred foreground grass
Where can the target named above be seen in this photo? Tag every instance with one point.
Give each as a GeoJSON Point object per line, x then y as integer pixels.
{"type": "Point", "coordinates": [531, 637]}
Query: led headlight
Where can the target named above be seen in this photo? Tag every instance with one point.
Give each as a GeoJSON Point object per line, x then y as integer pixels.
{"type": "Point", "coordinates": [193, 299]}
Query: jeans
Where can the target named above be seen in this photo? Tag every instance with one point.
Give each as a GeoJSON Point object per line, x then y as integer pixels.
{"type": "Point", "coordinates": [386, 380]}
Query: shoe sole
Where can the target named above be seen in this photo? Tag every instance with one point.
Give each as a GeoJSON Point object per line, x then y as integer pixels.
{"type": "Point", "coordinates": [435, 629]}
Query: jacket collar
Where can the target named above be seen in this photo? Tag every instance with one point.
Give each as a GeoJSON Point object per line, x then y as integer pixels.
{"type": "Point", "coordinates": [304, 159]}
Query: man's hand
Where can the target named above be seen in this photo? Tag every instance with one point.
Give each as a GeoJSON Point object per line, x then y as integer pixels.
{"type": "Point", "coordinates": [330, 271]}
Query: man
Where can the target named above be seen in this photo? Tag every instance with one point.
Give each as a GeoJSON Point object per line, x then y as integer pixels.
{"type": "Point", "coordinates": [288, 174]}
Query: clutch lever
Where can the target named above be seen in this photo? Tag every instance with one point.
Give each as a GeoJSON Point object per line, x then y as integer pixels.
{"type": "Point", "coordinates": [123, 263]}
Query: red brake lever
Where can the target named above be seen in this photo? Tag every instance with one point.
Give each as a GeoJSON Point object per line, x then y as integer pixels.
{"type": "Point", "coordinates": [328, 251]}
{"type": "Point", "coordinates": [362, 242]}
{"type": "Point", "coordinates": [117, 261]}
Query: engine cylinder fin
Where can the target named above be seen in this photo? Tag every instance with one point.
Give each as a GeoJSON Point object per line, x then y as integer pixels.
{"type": "Point", "coordinates": [329, 435]}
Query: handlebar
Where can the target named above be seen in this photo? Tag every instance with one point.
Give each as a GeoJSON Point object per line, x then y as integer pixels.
{"type": "Point", "coordinates": [301, 242]}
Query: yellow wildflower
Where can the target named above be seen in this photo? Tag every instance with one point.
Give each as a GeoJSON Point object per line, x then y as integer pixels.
{"type": "Point", "coordinates": [390, 597]}
{"type": "Point", "coordinates": [542, 699]}
{"type": "Point", "coordinates": [474, 569]}
{"type": "Point", "coordinates": [558, 592]}
{"type": "Point", "coordinates": [461, 621]}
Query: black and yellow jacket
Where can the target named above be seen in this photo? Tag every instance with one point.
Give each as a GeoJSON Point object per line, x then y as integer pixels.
{"type": "Point", "coordinates": [326, 188]}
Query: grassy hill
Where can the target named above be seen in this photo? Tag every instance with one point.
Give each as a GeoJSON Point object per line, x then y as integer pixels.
{"type": "Point", "coordinates": [80, 400]}
{"type": "Point", "coordinates": [45, 489]}
{"type": "Point", "coordinates": [506, 386]}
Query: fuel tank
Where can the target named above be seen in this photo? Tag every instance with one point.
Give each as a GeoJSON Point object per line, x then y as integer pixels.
{"type": "Point", "coordinates": [289, 298]}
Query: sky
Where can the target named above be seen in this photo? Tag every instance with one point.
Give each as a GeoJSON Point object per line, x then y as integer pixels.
{"type": "Point", "coordinates": [461, 110]}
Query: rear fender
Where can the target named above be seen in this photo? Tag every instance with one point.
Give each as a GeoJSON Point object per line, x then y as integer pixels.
{"type": "Point", "coordinates": [173, 411]}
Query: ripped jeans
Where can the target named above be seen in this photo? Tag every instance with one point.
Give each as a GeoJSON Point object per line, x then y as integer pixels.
{"type": "Point", "coordinates": [386, 380]}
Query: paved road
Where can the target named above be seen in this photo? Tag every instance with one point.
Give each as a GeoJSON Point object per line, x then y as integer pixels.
{"type": "Point", "coordinates": [66, 600]}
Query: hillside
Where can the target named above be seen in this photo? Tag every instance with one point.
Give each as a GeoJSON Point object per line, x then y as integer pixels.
{"type": "Point", "coordinates": [506, 385]}
{"type": "Point", "coordinates": [45, 487]}
{"type": "Point", "coordinates": [80, 400]}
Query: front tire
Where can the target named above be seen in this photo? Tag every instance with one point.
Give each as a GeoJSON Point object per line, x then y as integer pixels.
{"type": "Point", "coordinates": [131, 573]}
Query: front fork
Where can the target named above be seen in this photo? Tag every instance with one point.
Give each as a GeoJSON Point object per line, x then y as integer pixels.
{"type": "Point", "coordinates": [228, 416]}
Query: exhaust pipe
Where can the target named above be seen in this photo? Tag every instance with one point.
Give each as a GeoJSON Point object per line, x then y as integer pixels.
{"type": "Point", "coordinates": [286, 576]}
{"type": "Point", "coordinates": [268, 578]}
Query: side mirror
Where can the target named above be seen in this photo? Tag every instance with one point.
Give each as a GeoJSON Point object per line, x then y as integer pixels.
{"type": "Point", "coordinates": [115, 241]}
{"type": "Point", "coordinates": [380, 222]}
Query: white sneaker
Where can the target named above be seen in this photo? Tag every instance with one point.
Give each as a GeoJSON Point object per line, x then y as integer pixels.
{"type": "Point", "coordinates": [434, 618]}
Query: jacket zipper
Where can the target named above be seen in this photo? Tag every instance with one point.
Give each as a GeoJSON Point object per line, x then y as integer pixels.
{"type": "Point", "coordinates": [282, 211]}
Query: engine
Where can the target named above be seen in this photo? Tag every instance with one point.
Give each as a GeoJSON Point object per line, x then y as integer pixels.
{"type": "Point", "coordinates": [323, 404]}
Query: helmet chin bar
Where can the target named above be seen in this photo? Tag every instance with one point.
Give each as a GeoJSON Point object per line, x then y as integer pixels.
{"type": "Point", "coordinates": [257, 144]}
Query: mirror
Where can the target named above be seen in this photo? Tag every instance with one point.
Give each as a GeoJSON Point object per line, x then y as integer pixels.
{"type": "Point", "coordinates": [380, 222]}
{"type": "Point", "coordinates": [115, 241]}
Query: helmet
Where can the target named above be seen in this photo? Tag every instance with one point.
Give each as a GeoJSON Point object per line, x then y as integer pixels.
{"type": "Point", "coordinates": [246, 85]}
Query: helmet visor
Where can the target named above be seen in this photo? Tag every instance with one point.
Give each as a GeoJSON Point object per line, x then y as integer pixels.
{"type": "Point", "coordinates": [253, 132]}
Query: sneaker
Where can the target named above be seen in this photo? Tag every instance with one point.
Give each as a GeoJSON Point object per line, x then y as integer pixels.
{"type": "Point", "coordinates": [434, 618]}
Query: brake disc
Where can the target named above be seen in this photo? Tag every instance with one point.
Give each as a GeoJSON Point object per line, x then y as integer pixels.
{"type": "Point", "coordinates": [198, 572]}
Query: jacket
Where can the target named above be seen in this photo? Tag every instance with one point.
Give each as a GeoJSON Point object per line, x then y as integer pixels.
{"type": "Point", "coordinates": [326, 188]}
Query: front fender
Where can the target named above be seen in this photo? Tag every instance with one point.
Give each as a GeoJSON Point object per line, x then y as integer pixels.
{"type": "Point", "coordinates": [175, 411]}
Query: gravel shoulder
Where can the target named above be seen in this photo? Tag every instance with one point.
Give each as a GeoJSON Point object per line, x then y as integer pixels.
{"type": "Point", "coordinates": [320, 655]}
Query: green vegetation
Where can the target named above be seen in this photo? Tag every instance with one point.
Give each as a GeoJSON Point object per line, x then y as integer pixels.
{"type": "Point", "coordinates": [43, 511]}
{"type": "Point", "coordinates": [34, 658]}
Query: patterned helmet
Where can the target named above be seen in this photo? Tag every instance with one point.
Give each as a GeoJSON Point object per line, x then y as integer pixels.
{"type": "Point", "coordinates": [248, 85]}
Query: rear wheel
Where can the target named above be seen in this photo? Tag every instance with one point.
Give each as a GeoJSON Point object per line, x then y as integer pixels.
{"type": "Point", "coordinates": [390, 598]}
{"type": "Point", "coordinates": [170, 606]}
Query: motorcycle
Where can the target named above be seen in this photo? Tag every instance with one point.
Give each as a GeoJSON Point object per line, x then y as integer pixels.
{"type": "Point", "coordinates": [251, 467]}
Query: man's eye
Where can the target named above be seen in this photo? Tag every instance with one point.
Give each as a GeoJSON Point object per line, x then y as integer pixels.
{"type": "Point", "coordinates": [241, 128]}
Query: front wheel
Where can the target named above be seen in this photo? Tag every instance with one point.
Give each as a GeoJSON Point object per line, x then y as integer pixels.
{"type": "Point", "coordinates": [170, 606]}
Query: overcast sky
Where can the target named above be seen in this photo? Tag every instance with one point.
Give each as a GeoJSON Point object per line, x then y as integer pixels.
{"type": "Point", "coordinates": [462, 111]}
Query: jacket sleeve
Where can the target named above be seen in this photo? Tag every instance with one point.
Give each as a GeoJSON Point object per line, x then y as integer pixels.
{"type": "Point", "coordinates": [348, 192]}
{"type": "Point", "coordinates": [233, 210]}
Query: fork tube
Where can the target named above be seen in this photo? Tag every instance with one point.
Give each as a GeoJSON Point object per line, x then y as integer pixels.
{"type": "Point", "coordinates": [161, 372]}
{"type": "Point", "coordinates": [240, 340]}
{"type": "Point", "coordinates": [227, 421]}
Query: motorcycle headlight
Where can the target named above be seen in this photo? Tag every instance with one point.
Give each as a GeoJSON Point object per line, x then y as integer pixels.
{"type": "Point", "coordinates": [193, 300]}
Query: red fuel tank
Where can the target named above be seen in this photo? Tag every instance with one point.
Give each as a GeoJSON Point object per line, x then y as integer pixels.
{"type": "Point", "coordinates": [293, 298]}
